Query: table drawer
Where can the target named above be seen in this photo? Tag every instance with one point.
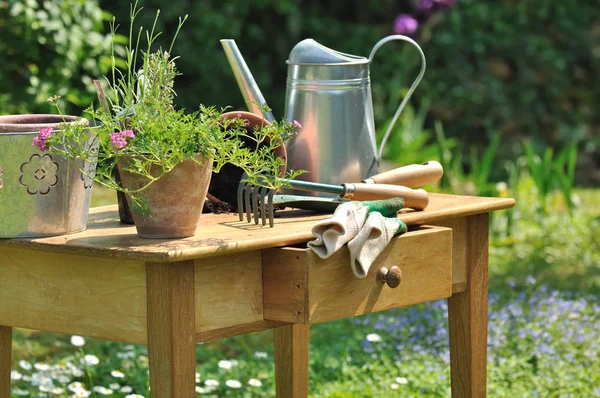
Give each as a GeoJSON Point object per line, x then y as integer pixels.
{"type": "Point", "coordinates": [299, 287]}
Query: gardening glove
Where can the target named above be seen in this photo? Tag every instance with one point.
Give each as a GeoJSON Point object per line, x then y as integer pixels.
{"type": "Point", "coordinates": [331, 234]}
{"type": "Point", "coordinates": [371, 240]}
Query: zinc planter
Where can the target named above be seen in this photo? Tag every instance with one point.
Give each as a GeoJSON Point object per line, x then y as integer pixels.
{"type": "Point", "coordinates": [175, 200]}
{"type": "Point", "coordinates": [41, 194]}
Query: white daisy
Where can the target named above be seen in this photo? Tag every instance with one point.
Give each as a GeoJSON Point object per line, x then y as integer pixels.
{"type": "Point", "coordinates": [225, 365]}
{"type": "Point", "coordinates": [255, 383]}
{"type": "Point", "coordinates": [260, 355]}
{"type": "Point", "coordinates": [117, 373]}
{"type": "Point", "coordinates": [77, 341]}
{"type": "Point", "coordinates": [373, 338]}
{"type": "Point", "coordinates": [103, 390]}
{"type": "Point", "coordinates": [90, 360]}
{"type": "Point", "coordinates": [25, 365]}
{"type": "Point", "coordinates": [233, 384]}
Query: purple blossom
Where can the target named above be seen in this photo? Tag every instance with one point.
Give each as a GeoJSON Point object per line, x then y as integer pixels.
{"type": "Point", "coordinates": [40, 139]}
{"type": "Point", "coordinates": [119, 139]}
{"type": "Point", "coordinates": [297, 124]}
{"type": "Point", "coordinates": [434, 5]}
{"type": "Point", "coordinates": [423, 5]}
{"type": "Point", "coordinates": [405, 24]}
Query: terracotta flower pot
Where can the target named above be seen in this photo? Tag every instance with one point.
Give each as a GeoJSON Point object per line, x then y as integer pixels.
{"type": "Point", "coordinates": [224, 184]}
{"type": "Point", "coordinates": [175, 200]}
{"type": "Point", "coordinates": [254, 121]}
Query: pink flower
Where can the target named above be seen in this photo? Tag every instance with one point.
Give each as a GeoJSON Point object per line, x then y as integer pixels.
{"type": "Point", "coordinates": [297, 124]}
{"type": "Point", "coordinates": [40, 139]}
{"type": "Point", "coordinates": [119, 139]}
{"type": "Point", "coordinates": [239, 115]}
{"type": "Point", "coordinates": [405, 25]}
{"type": "Point", "coordinates": [128, 133]}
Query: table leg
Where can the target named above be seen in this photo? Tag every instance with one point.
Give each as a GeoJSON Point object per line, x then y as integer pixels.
{"type": "Point", "coordinates": [291, 361]}
{"type": "Point", "coordinates": [171, 329]}
{"type": "Point", "coordinates": [468, 317]}
{"type": "Point", "coordinates": [5, 354]}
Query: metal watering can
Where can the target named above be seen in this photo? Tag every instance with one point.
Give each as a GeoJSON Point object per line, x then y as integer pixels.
{"type": "Point", "coordinates": [329, 93]}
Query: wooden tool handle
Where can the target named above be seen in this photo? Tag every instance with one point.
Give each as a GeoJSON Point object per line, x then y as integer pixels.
{"type": "Point", "coordinates": [410, 176]}
{"type": "Point", "coordinates": [413, 198]}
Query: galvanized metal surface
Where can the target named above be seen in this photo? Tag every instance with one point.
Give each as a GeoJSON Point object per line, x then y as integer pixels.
{"type": "Point", "coordinates": [41, 194]}
{"type": "Point", "coordinates": [329, 93]}
{"type": "Point", "coordinates": [250, 90]}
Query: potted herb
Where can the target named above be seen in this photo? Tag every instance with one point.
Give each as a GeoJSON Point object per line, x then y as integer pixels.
{"type": "Point", "coordinates": [166, 155]}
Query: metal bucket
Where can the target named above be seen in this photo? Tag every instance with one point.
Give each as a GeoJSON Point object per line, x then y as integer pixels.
{"type": "Point", "coordinates": [41, 194]}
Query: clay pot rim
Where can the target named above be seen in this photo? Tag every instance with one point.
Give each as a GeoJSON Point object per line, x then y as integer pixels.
{"type": "Point", "coordinates": [257, 120]}
{"type": "Point", "coordinates": [33, 123]}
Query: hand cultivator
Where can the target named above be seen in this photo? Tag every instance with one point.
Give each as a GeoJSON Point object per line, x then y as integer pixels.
{"type": "Point", "coordinates": [261, 201]}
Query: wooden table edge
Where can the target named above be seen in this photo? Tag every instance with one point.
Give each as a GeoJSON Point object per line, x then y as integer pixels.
{"type": "Point", "coordinates": [171, 255]}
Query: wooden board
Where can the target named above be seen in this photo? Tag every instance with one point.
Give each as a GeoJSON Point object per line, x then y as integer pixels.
{"type": "Point", "coordinates": [468, 317]}
{"type": "Point", "coordinates": [224, 233]}
{"type": "Point", "coordinates": [328, 289]}
{"type": "Point", "coordinates": [228, 291]}
{"type": "Point", "coordinates": [5, 355]}
{"type": "Point", "coordinates": [88, 296]}
{"type": "Point", "coordinates": [292, 345]}
{"type": "Point", "coordinates": [459, 251]}
{"type": "Point", "coordinates": [171, 336]}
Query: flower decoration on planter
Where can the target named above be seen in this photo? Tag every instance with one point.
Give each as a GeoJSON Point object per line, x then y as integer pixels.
{"type": "Point", "coordinates": [89, 169]}
{"type": "Point", "coordinates": [39, 174]}
{"type": "Point", "coordinates": [153, 144]}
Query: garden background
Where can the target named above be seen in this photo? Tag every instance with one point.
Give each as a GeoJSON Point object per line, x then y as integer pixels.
{"type": "Point", "coordinates": [508, 106]}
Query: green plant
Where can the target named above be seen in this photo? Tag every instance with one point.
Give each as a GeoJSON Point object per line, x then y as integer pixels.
{"type": "Point", "coordinates": [410, 142]}
{"type": "Point", "coordinates": [549, 171]}
{"type": "Point", "coordinates": [476, 179]}
{"type": "Point", "coordinates": [142, 127]}
{"type": "Point", "coordinates": [52, 47]}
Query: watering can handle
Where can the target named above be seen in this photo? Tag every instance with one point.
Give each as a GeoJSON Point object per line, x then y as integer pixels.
{"type": "Point", "coordinates": [410, 91]}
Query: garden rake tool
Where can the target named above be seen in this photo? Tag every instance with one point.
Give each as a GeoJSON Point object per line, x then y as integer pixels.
{"type": "Point", "coordinates": [260, 201]}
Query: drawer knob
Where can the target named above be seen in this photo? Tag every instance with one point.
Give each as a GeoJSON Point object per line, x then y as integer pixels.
{"type": "Point", "coordinates": [392, 277]}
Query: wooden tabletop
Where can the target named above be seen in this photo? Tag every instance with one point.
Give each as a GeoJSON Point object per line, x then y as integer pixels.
{"type": "Point", "coordinates": [224, 233]}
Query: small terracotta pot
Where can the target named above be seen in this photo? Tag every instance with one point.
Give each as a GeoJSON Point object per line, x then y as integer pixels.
{"type": "Point", "coordinates": [175, 200]}
{"type": "Point", "coordinates": [223, 186]}
{"type": "Point", "coordinates": [255, 120]}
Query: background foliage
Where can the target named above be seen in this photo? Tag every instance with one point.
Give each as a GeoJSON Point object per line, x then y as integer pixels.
{"type": "Point", "coordinates": [518, 69]}
{"type": "Point", "coordinates": [51, 48]}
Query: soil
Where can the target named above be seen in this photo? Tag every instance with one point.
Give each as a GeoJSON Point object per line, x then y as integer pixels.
{"type": "Point", "coordinates": [218, 208]}
{"type": "Point", "coordinates": [223, 186]}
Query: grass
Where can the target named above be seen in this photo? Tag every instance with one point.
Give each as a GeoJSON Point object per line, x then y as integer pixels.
{"type": "Point", "coordinates": [543, 330]}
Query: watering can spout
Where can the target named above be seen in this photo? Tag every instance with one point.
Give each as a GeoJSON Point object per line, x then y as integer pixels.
{"type": "Point", "coordinates": [252, 94]}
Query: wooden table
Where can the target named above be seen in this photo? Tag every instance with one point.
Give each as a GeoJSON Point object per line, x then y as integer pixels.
{"type": "Point", "coordinates": [234, 278]}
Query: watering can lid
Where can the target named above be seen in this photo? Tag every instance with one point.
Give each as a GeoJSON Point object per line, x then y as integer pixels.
{"type": "Point", "coordinates": [308, 51]}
